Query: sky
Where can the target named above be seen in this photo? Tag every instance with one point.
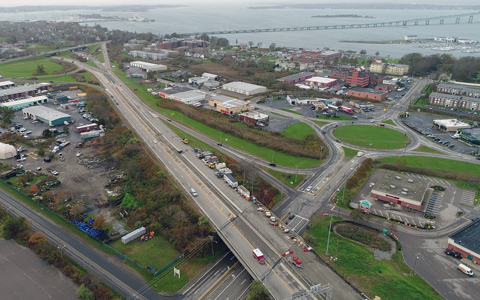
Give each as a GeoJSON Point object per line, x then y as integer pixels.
{"type": "Point", "coordinates": [147, 2]}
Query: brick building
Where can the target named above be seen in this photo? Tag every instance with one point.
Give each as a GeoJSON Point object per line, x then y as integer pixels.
{"type": "Point", "coordinates": [466, 241]}
{"type": "Point", "coordinates": [456, 89]}
{"type": "Point", "coordinates": [358, 77]}
{"type": "Point", "coordinates": [227, 105]}
{"type": "Point", "coordinates": [376, 79]}
{"type": "Point", "coordinates": [311, 56]}
{"type": "Point", "coordinates": [174, 43]}
{"type": "Point", "coordinates": [454, 101]}
{"type": "Point", "coordinates": [297, 77]}
{"type": "Point", "coordinates": [368, 94]}
{"type": "Point", "coordinates": [392, 69]}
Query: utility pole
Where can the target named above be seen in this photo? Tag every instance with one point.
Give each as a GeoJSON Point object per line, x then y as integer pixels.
{"type": "Point", "coordinates": [273, 153]}
{"type": "Point", "coordinates": [329, 230]}
{"type": "Point", "coordinates": [296, 173]}
{"type": "Point", "coordinates": [211, 242]}
{"type": "Point", "coordinates": [61, 250]}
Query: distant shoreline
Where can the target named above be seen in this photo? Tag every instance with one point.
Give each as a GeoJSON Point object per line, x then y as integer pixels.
{"type": "Point", "coordinates": [344, 16]}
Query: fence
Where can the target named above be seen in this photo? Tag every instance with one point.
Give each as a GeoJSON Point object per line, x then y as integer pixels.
{"type": "Point", "coordinates": [90, 238]}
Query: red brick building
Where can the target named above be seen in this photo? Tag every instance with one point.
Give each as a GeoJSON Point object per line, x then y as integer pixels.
{"type": "Point", "coordinates": [358, 77]}
{"type": "Point", "coordinates": [340, 73]}
{"type": "Point", "coordinates": [311, 56]}
{"type": "Point", "coordinates": [376, 79]}
{"type": "Point", "coordinates": [174, 43]}
{"type": "Point", "coordinates": [368, 94]}
{"type": "Point", "coordinates": [466, 241]}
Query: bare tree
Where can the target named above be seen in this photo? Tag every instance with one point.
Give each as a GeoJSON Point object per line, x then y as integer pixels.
{"type": "Point", "coordinates": [250, 44]}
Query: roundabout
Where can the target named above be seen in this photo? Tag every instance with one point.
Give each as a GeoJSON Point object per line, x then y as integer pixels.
{"type": "Point", "coordinates": [371, 137]}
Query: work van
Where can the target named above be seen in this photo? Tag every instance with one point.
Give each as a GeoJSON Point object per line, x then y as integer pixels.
{"type": "Point", "coordinates": [464, 269]}
{"type": "Point", "coordinates": [194, 193]}
{"type": "Point", "coordinates": [258, 256]}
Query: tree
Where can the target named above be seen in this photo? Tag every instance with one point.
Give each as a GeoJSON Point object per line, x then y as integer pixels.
{"type": "Point", "coordinates": [377, 53]}
{"type": "Point", "coordinates": [13, 227]}
{"type": "Point", "coordinates": [22, 180]}
{"type": "Point", "coordinates": [203, 220]}
{"type": "Point", "coordinates": [99, 222]}
{"type": "Point", "coordinates": [33, 189]}
{"type": "Point", "coordinates": [151, 76]}
{"type": "Point", "coordinates": [36, 238]}
{"type": "Point", "coordinates": [6, 114]}
{"type": "Point", "coordinates": [84, 293]}
{"type": "Point", "coordinates": [250, 43]}
{"type": "Point", "coordinates": [258, 291]}
{"type": "Point", "coordinates": [363, 52]}
{"type": "Point", "coordinates": [41, 152]}
{"type": "Point", "coordinates": [77, 209]}
{"type": "Point", "coordinates": [128, 200]}
{"type": "Point", "coordinates": [60, 197]}
{"type": "Point", "coordinates": [40, 69]}
{"type": "Point", "coordinates": [259, 45]}
{"type": "Point", "coordinates": [272, 46]}
{"type": "Point", "coordinates": [65, 129]}
{"type": "Point", "coordinates": [357, 214]}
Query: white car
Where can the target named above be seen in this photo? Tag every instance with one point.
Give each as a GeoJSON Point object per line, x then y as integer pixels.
{"type": "Point", "coordinates": [21, 159]}
{"type": "Point", "coordinates": [309, 189]}
{"type": "Point", "coordinates": [28, 132]}
{"type": "Point", "coordinates": [78, 154]}
{"type": "Point", "coordinates": [54, 172]}
{"type": "Point", "coordinates": [34, 122]}
{"type": "Point", "coordinates": [155, 141]}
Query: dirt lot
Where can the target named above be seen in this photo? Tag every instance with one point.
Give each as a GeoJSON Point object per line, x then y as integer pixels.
{"type": "Point", "coordinates": [216, 68]}
{"type": "Point", "coordinates": [26, 276]}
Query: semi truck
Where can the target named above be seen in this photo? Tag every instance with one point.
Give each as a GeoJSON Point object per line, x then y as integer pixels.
{"type": "Point", "coordinates": [258, 255]}
{"type": "Point", "coordinates": [230, 180]}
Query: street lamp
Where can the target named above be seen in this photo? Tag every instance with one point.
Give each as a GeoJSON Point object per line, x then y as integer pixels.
{"type": "Point", "coordinates": [414, 265]}
{"type": "Point", "coordinates": [273, 153]}
{"type": "Point", "coordinates": [61, 250]}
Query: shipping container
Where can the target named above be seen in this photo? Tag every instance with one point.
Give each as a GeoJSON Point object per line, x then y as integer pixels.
{"type": "Point", "coordinates": [133, 235]}
{"type": "Point", "coordinates": [85, 128]}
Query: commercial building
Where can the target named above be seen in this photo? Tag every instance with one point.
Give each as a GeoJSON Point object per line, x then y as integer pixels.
{"type": "Point", "coordinates": [297, 77]}
{"type": "Point", "coordinates": [227, 105]}
{"type": "Point", "coordinates": [401, 189]}
{"type": "Point", "coordinates": [244, 88]}
{"type": "Point", "coordinates": [450, 125]}
{"type": "Point", "coordinates": [410, 37]}
{"type": "Point", "coordinates": [148, 55]}
{"type": "Point", "coordinates": [368, 94]}
{"type": "Point", "coordinates": [255, 118]}
{"type": "Point", "coordinates": [169, 91]}
{"type": "Point", "coordinates": [174, 43]}
{"type": "Point", "coordinates": [210, 76]}
{"type": "Point", "coordinates": [19, 104]}
{"type": "Point", "coordinates": [392, 69]}
{"type": "Point", "coordinates": [7, 151]}
{"type": "Point", "coordinates": [386, 87]}
{"type": "Point", "coordinates": [321, 81]}
{"type": "Point", "coordinates": [471, 136]}
{"type": "Point", "coordinates": [46, 115]}
{"type": "Point", "coordinates": [454, 101]}
{"type": "Point", "coordinates": [311, 56]}
{"type": "Point", "coordinates": [466, 241]}
{"type": "Point", "coordinates": [189, 97]}
{"type": "Point", "coordinates": [198, 80]}
{"type": "Point", "coordinates": [6, 84]}
{"type": "Point", "coordinates": [23, 90]}
{"type": "Point", "coordinates": [456, 89]}
{"type": "Point", "coordinates": [358, 77]}
{"type": "Point", "coordinates": [149, 67]}
{"type": "Point", "coordinates": [376, 79]}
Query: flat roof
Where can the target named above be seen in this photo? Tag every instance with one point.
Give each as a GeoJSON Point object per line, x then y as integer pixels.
{"type": "Point", "coordinates": [174, 90]}
{"type": "Point", "coordinates": [322, 79]}
{"type": "Point", "coordinates": [144, 63]}
{"type": "Point", "coordinates": [468, 236]}
{"type": "Point", "coordinates": [243, 86]}
{"type": "Point", "coordinates": [221, 98]}
{"type": "Point", "coordinates": [254, 115]}
{"type": "Point", "coordinates": [44, 112]}
{"type": "Point", "coordinates": [297, 76]}
{"type": "Point", "coordinates": [473, 132]}
{"type": "Point", "coordinates": [29, 100]}
{"type": "Point", "coordinates": [370, 91]}
{"type": "Point", "coordinates": [458, 87]}
{"type": "Point", "coordinates": [451, 97]}
{"type": "Point", "coordinates": [23, 88]}
{"type": "Point", "coordinates": [189, 94]}
{"type": "Point", "coordinates": [233, 103]}
{"type": "Point", "coordinates": [450, 122]}
{"type": "Point", "coordinates": [329, 52]}
{"type": "Point", "coordinates": [416, 189]}
{"type": "Point", "coordinates": [393, 65]}
{"type": "Point", "coordinates": [3, 83]}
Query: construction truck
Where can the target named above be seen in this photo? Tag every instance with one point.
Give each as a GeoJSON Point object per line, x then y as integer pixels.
{"type": "Point", "coordinates": [210, 165]}
{"type": "Point", "coordinates": [185, 141]}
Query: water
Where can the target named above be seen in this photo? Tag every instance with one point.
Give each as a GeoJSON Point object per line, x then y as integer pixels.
{"type": "Point", "coordinates": [199, 18]}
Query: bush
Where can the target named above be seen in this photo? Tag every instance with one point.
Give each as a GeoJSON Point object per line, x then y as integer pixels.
{"type": "Point", "coordinates": [364, 235]}
{"type": "Point", "coordinates": [84, 293]}
{"type": "Point", "coordinates": [41, 152]}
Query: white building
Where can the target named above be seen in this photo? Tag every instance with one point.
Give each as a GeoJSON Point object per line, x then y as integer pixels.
{"type": "Point", "coordinates": [210, 76]}
{"type": "Point", "coordinates": [189, 97]}
{"type": "Point", "coordinates": [244, 88]}
{"type": "Point", "coordinates": [7, 151]}
{"type": "Point", "coordinates": [410, 37]}
{"type": "Point", "coordinates": [450, 125]}
{"type": "Point", "coordinates": [149, 67]}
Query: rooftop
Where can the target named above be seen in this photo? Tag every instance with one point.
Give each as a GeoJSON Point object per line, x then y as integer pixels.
{"type": "Point", "coordinates": [458, 87]}
{"type": "Point", "coordinates": [450, 122]}
{"type": "Point", "coordinates": [221, 98]}
{"type": "Point", "coordinates": [254, 115]}
{"type": "Point", "coordinates": [242, 86]}
{"type": "Point", "coordinates": [370, 91]}
{"type": "Point", "coordinates": [23, 88]}
{"type": "Point", "coordinates": [393, 65]}
{"type": "Point", "coordinates": [189, 94]}
{"type": "Point", "coordinates": [29, 100]}
{"type": "Point", "coordinates": [173, 90]}
{"type": "Point", "coordinates": [473, 132]}
{"type": "Point", "coordinates": [144, 63]}
{"type": "Point", "coordinates": [468, 236]}
{"type": "Point", "coordinates": [44, 112]}
{"type": "Point", "coordinates": [322, 79]}
{"type": "Point", "coordinates": [296, 76]}
{"type": "Point", "coordinates": [233, 103]}
{"type": "Point", "coordinates": [450, 97]}
{"type": "Point", "coordinates": [4, 83]}
{"type": "Point", "coordinates": [415, 189]}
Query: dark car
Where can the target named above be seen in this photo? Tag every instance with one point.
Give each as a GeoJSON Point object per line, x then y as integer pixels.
{"type": "Point", "coordinates": [448, 252]}
{"type": "Point", "coordinates": [219, 144]}
{"type": "Point", "coordinates": [291, 217]}
{"type": "Point", "coordinates": [47, 159]}
{"type": "Point", "coordinates": [272, 164]}
{"type": "Point", "coordinates": [457, 255]}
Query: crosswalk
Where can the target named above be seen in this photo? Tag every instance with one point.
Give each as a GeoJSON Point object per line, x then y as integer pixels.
{"type": "Point", "coordinates": [467, 198]}
{"type": "Point", "coordinates": [337, 145]}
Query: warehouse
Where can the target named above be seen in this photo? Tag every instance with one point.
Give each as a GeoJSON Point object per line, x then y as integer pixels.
{"type": "Point", "coordinates": [321, 81]}
{"type": "Point", "coordinates": [227, 105]}
{"type": "Point", "coordinates": [23, 90]}
{"type": "Point", "coordinates": [401, 189]}
{"type": "Point", "coordinates": [169, 91]}
{"type": "Point", "coordinates": [146, 66]}
{"type": "Point", "coordinates": [244, 88]}
{"type": "Point", "coordinates": [46, 115]}
{"type": "Point", "coordinates": [466, 241]}
{"type": "Point", "coordinates": [297, 77]}
{"type": "Point", "coordinates": [19, 104]}
{"type": "Point", "coordinates": [189, 97]}
{"type": "Point", "coordinates": [450, 125]}
{"type": "Point", "coordinates": [255, 118]}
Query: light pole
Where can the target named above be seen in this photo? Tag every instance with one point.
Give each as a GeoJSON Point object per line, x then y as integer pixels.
{"type": "Point", "coordinates": [211, 242]}
{"type": "Point", "coordinates": [296, 173]}
{"type": "Point", "coordinates": [414, 265]}
{"type": "Point", "coordinates": [273, 153]}
{"type": "Point", "coordinates": [329, 230]}
{"type": "Point", "coordinates": [61, 250]}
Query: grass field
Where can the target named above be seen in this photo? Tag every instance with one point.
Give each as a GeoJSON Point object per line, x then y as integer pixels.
{"type": "Point", "coordinates": [26, 67]}
{"type": "Point", "coordinates": [374, 137]}
{"type": "Point", "coordinates": [390, 122]}
{"type": "Point", "coordinates": [388, 279]}
{"type": "Point", "coordinates": [338, 118]}
{"type": "Point", "coordinates": [67, 78]}
{"type": "Point", "coordinates": [349, 152]}
{"type": "Point", "coordinates": [320, 123]}
{"type": "Point", "coordinates": [436, 164]}
{"type": "Point", "coordinates": [421, 102]}
{"type": "Point", "coordinates": [287, 178]}
{"type": "Point", "coordinates": [262, 152]}
{"type": "Point", "coordinates": [298, 131]}
{"type": "Point", "coordinates": [291, 111]}
{"type": "Point", "coordinates": [423, 148]}
{"type": "Point", "coordinates": [279, 98]}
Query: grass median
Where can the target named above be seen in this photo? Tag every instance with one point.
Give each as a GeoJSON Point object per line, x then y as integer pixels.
{"type": "Point", "coordinates": [298, 131]}
{"type": "Point", "coordinates": [287, 178]}
{"type": "Point", "coordinates": [435, 164]}
{"type": "Point", "coordinates": [374, 137]}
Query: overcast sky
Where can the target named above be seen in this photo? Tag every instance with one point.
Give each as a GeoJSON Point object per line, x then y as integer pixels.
{"type": "Point", "coordinates": [146, 2]}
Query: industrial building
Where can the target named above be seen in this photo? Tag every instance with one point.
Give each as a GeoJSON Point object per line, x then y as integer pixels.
{"type": "Point", "coordinates": [23, 90]}
{"type": "Point", "coordinates": [392, 69]}
{"type": "Point", "coordinates": [297, 77]}
{"type": "Point", "coordinates": [198, 80]}
{"type": "Point", "coordinates": [6, 84]}
{"type": "Point", "coordinates": [46, 115]}
{"type": "Point", "coordinates": [244, 88]}
{"type": "Point", "coordinates": [401, 189]}
{"type": "Point", "coordinates": [466, 241]}
{"type": "Point", "coordinates": [450, 125]}
{"type": "Point", "coordinates": [19, 104]}
{"type": "Point", "coordinates": [210, 76]}
{"type": "Point", "coordinates": [188, 97]}
{"type": "Point", "coordinates": [149, 67]}
{"type": "Point", "coordinates": [454, 101]}
{"type": "Point", "coordinates": [227, 105]}
{"type": "Point", "coordinates": [321, 81]}
{"type": "Point", "coordinates": [368, 94]}
{"type": "Point", "coordinates": [255, 118]}
{"type": "Point", "coordinates": [7, 151]}
{"type": "Point", "coordinates": [169, 91]}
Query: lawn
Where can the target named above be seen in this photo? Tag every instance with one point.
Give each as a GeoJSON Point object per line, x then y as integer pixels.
{"type": "Point", "coordinates": [369, 136]}
{"type": "Point", "coordinates": [423, 148]}
{"type": "Point", "coordinates": [390, 122]}
{"type": "Point", "coordinates": [421, 101]}
{"type": "Point", "coordinates": [279, 98]}
{"type": "Point", "coordinates": [287, 178]}
{"type": "Point", "coordinates": [436, 164]}
{"type": "Point", "coordinates": [337, 118]}
{"type": "Point", "coordinates": [67, 78]}
{"type": "Point", "coordinates": [320, 123]}
{"type": "Point", "coordinates": [26, 67]}
{"type": "Point", "coordinates": [262, 152]}
{"type": "Point", "coordinates": [388, 279]}
{"type": "Point", "coordinates": [350, 152]}
{"type": "Point", "coordinates": [291, 111]}
{"type": "Point", "coordinates": [298, 131]}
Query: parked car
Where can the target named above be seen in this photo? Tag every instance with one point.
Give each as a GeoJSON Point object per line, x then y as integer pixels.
{"type": "Point", "coordinates": [34, 122]}
{"type": "Point", "coordinates": [47, 159]}
{"type": "Point", "coordinates": [54, 172]}
{"type": "Point", "coordinates": [291, 217]}
{"type": "Point", "coordinates": [21, 159]}
{"type": "Point", "coordinates": [78, 154]}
